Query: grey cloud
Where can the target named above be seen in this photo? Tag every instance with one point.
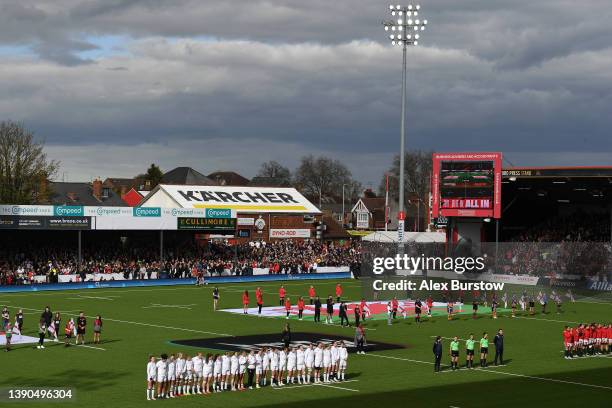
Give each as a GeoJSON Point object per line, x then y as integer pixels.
{"type": "Point", "coordinates": [301, 77]}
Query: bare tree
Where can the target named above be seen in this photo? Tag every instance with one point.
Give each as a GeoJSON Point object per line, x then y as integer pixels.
{"type": "Point", "coordinates": [23, 165]}
{"type": "Point", "coordinates": [324, 176]}
{"type": "Point", "coordinates": [418, 165]}
{"type": "Point", "coordinates": [274, 170]}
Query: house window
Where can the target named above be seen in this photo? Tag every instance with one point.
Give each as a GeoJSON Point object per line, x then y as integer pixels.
{"type": "Point", "coordinates": [362, 217]}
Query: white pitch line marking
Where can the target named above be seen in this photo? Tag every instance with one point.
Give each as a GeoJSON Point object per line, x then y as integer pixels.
{"type": "Point", "coordinates": [158, 305]}
{"type": "Point", "coordinates": [79, 297]}
{"type": "Point", "coordinates": [545, 320]}
{"type": "Point", "coordinates": [506, 373]}
{"type": "Point", "coordinates": [335, 386]}
{"type": "Point", "coordinates": [290, 387]}
{"type": "Point", "coordinates": [150, 325]}
{"type": "Point", "coordinates": [91, 347]}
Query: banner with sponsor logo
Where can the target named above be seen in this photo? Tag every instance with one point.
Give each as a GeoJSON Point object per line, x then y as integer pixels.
{"type": "Point", "coordinates": [210, 224]}
{"type": "Point", "coordinates": [69, 210]}
{"type": "Point", "coordinates": [289, 233]}
{"type": "Point", "coordinates": [26, 222]}
{"type": "Point", "coordinates": [102, 217]}
{"type": "Point", "coordinates": [243, 199]}
{"type": "Point", "coordinates": [146, 212]}
{"type": "Point", "coordinates": [602, 286]}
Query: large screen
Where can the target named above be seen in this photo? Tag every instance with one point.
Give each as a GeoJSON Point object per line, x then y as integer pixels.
{"type": "Point", "coordinates": [466, 185]}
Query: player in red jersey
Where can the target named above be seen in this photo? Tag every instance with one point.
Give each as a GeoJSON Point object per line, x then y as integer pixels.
{"type": "Point", "coordinates": [281, 295]}
{"type": "Point", "coordinates": [259, 299]}
{"type": "Point", "coordinates": [312, 294]}
{"type": "Point", "coordinates": [580, 336]}
{"type": "Point", "coordinates": [394, 307]}
{"type": "Point", "coordinates": [587, 339]}
{"type": "Point", "coordinates": [338, 293]}
{"type": "Point", "coordinates": [300, 306]}
{"type": "Point", "coordinates": [568, 342]}
{"type": "Point", "coordinates": [608, 338]}
{"type": "Point", "coordinates": [429, 306]}
{"type": "Point", "coordinates": [287, 306]}
{"type": "Point", "coordinates": [362, 308]}
{"type": "Point", "coordinates": [245, 302]}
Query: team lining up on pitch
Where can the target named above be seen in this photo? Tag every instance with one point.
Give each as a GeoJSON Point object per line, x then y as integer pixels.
{"type": "Point", "coordinates": [171, 377]}
{"type": "Point", "coordinates": [49, 324]}
{"type": "Point", "coordinates": [587, 339]}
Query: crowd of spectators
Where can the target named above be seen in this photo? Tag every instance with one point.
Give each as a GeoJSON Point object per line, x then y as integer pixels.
{"type": "Point", "coordinates": [572, 245]}
{"type": "Point", "coordinates": [213, 258]}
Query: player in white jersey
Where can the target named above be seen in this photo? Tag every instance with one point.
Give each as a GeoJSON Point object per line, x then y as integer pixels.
{"type": "Point", "coordinates": [326, 363]}
{"type": "Point", "coordinates": [162, 371]}
{"type": "Point", "coordinates": [180, 373]}
{"type": "Point", "coordinates": [151, 377]}
{"type": "Point", "coordinates": [300, 365]}
{"type": "Point", "coordinates": [273, 366]}
{"type": "Point", "coordinates": [225, 371]}
{"type": "Point", "coordinates": [343, 354]}
{"type": "Point", "coordinates": [198, 362]}
{"type": "Point", "coordinates": [207, 373]}
{"type": "Point", "coordinates": [258, 367]}
{"type": "Point", "coordinates": [188, 375]}
{"type": "Point", "coordinates": [171, 375]}
{"type": "Point", "coordinates": [318, 362]}
{"type": "Point", "coordinates": [265, 365]}
{"type": "Point", "coordinates": [291, 365]}
{"type": "Point", "coordinates": [309, 361]}
{"type": "Point", "coordinates": [242, 363]}
{"type": "Point", "coordinates": [217, 374]}
{"type": "Point", "coordinates": [282, 365]}
{"type": "Point", "coordinates": [334, 362]}
{"type": "Point", "coordinates": [234, 366]}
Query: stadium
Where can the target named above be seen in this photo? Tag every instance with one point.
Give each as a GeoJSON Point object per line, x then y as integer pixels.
{"type": "Point", "coordinates": [156, 296]}
{"type": "Point", "coordinates": [462, 281]}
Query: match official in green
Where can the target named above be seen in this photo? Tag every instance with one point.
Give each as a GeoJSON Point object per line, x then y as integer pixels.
{"type": "Point", "coordinates": [454, 352]}
{"type": "Point", "coordinates": [469, 351]}
{"type": "Point", "coordinates": [484, 349]}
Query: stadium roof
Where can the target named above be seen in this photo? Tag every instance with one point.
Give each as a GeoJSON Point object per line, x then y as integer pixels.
{"type": "Point", "coordinates": [579, 171]}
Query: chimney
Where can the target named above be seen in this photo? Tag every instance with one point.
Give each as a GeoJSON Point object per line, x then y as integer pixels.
{"type": "Point", "coordinates": [42, 189]}
{"type": "Point", "coordinates": [97, 189]}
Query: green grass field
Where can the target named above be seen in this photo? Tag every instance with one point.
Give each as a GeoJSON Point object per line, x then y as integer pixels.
{"type": "Point", "coordinates": [113, 374]}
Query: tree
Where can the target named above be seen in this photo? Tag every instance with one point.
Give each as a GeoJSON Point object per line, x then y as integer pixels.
{"type": "Point", "coordinates": [24, 166]}
{"type": "Point", "coordinates": [154, 175]}
{"type": "Point", "coordinates": [418, 166]}
{"type": "Point", "coordinates": [325, 177]}
{"type": "Point", "coordinates": [274, 170]}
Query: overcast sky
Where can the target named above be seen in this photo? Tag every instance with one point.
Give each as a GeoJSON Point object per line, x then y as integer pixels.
{"type": "Point", "coordinates": [113, 85]}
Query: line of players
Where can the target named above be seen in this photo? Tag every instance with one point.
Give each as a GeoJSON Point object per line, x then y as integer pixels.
{"type": "Point", "coordinates": [587, 339]}
{"type": "Point", "coordinates": [170, 377]}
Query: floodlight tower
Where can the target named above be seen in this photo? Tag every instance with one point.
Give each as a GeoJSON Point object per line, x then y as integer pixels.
{"type": "Point", "coordinates": [403, 30]}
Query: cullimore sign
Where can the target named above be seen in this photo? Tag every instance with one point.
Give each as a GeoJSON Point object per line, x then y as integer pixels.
{"type": "Point", "coordinates": [245, 199]}
{"type": "Point", "coordinates": [213, 224]}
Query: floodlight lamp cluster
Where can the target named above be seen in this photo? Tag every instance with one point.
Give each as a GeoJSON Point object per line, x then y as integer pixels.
{"type": "Point", "coordinates": [405, 28]}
